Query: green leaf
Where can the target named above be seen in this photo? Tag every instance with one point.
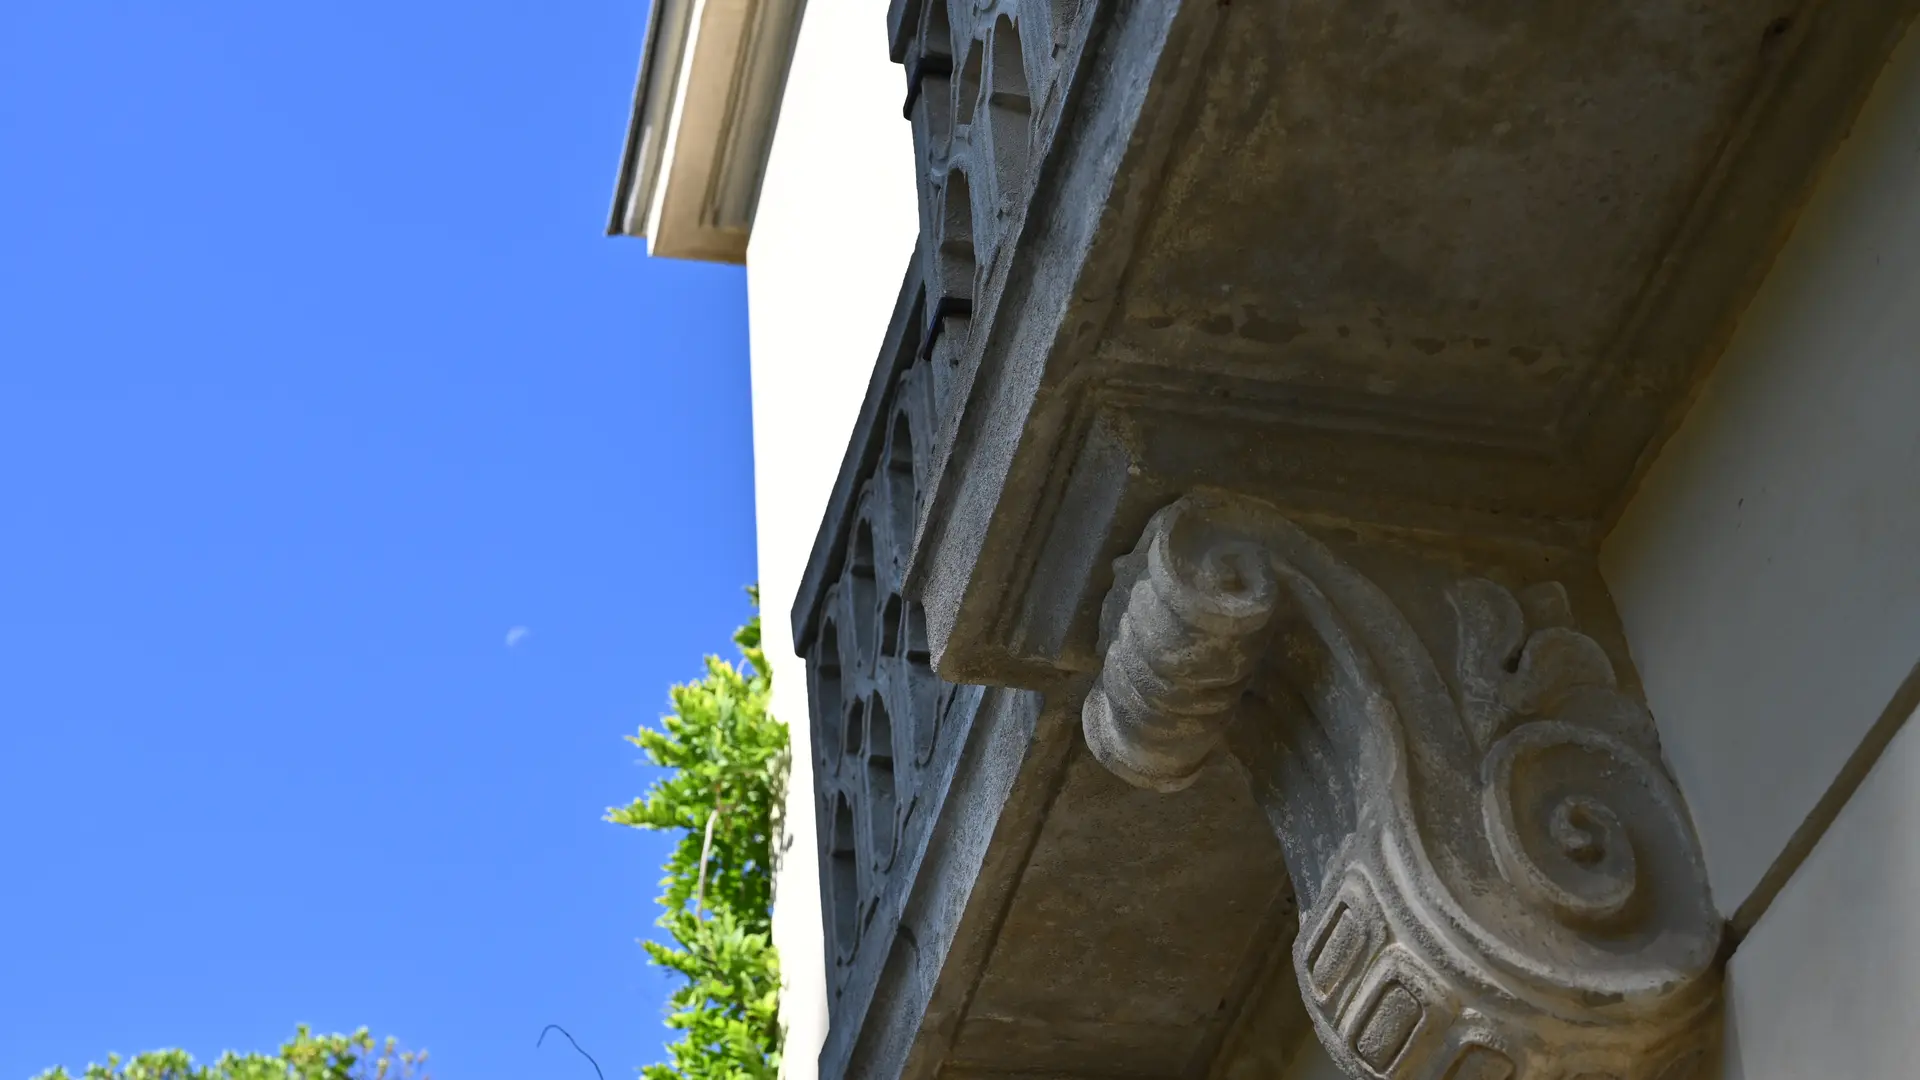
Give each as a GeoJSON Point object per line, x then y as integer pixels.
{"type": "Point", "coordinates": [306, 1057]}
{"type": "Point", "coordinates": [727, 758]}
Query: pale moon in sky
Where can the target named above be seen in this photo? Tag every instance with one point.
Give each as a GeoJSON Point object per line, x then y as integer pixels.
{"type": "Point", "coordinates": [517, 635]}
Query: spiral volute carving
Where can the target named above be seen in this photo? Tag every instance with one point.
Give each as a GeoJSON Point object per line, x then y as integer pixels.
{"type": "Point", "coordinates": [1549, 803]}
{"type": "Point", "coordinates": [1186, 643]}
{"type": "Point", "coordinates": [1511, 886]}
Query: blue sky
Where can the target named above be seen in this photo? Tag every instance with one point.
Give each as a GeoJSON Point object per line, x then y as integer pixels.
{"type": "Point", "coordinates": [317, 378]}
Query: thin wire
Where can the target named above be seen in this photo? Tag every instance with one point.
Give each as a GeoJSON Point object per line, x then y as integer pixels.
{"type": "Point", "coordinates": [576, 1046]}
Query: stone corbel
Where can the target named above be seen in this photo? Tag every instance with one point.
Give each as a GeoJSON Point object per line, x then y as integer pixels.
{"type": "Point", "coordinates": [1497, 880]}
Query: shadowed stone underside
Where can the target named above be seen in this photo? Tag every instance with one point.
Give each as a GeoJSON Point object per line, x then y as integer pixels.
{"type": "Point", "coordinates": [1206, 641]}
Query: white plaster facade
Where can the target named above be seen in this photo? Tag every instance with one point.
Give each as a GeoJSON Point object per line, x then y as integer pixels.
{"type": "Point", "coordinates": [1768, 574]}
{"type": "Point", "coordinates": [836, 222]}
{"type": "Point", "coordinates": [1767, 571]}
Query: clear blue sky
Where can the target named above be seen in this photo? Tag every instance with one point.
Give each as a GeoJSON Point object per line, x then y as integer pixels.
{"type": "Point", "coordinates": [317, 377]}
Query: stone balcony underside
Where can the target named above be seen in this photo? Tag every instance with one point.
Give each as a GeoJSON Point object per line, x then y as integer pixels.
{"type": "Point", "coordinates": [1140, 929]}
{"type": "Point", "coordinates": [1264, 381]}
{"type": "Point", "coordinates": [1407, 260]}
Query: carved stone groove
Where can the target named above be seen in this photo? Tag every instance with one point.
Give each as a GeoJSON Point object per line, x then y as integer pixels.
{"type": "Point", "coordinates": [879, 711]}
{"type": "Point", "coordinates": [977, 71]}
{"type": "Point", "coordinates": [1496, 878]}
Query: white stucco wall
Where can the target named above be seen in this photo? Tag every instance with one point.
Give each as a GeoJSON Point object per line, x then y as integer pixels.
{"type": "Point", "coordinates": [1768, 570]}
{"type": "Point", "coordinates": [1768, 575]}
{"type": "Point", "coordinates": [832, 238]}
{"type": "Point", "coordinates": [1829, 982]}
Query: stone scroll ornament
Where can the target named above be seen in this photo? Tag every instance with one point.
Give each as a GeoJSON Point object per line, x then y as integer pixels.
{"type": "Point", "coordinates": [1496, 879]}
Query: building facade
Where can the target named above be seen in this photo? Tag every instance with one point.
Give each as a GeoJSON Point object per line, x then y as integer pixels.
{"type": "Point", "coordinates": [1326, 539]}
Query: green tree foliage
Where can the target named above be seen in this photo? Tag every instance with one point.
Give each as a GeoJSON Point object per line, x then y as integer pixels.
{"type": "Point", "coordinates": [727, 758]}
{"type": "Point", "coordinates": [306, 1057]}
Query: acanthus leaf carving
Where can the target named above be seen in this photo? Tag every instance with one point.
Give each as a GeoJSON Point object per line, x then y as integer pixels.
{"type": "Point", "coordinates": [1496, 877]}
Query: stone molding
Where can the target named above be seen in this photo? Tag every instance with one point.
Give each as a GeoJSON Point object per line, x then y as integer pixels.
{"type": "Point", "coordinates": [885, 730]}
{"type": "Point", "coordinates": [711, 77]}
{"type": "Point", "coordinates": [1496, 878]}
{"type": "Point", "coordinates": [878, 709]}
{"type": "Point", "coordinates": [971, 99]}
{"type": "Point", "coordinates": [1403, 264]}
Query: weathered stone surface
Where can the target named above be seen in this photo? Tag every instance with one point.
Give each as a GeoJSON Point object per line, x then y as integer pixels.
{"type": "Point", "coordinates": [885, 731]}
{"type": "Point", "coordinates": [1267, 375]}
{"type": "Point", "coordinates": [1139, 924]}
{"type": "Point", "coordinates": [1494, 872]}
{"type": "Point", "coordinates": [1444, 265]}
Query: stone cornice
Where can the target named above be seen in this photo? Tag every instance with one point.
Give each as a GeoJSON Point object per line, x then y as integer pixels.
{"type": "Point", "coordinates": [1408, 265]}
{"type": "Point", "coordinates": [711, 77]}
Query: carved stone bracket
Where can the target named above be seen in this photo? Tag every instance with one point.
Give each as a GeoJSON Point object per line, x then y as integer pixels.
{"type": "Point", "coordinates": [1497, 879]}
